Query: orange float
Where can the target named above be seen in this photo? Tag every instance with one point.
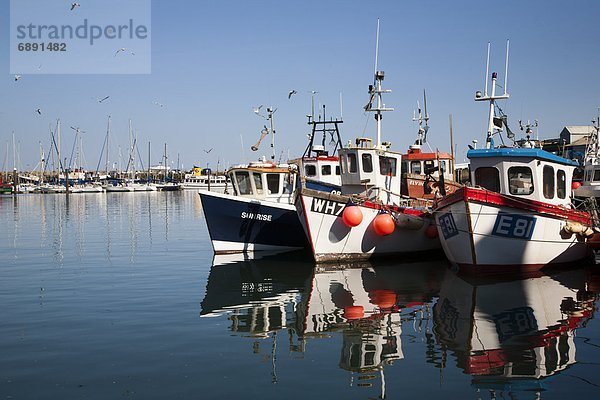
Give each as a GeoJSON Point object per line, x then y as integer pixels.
{"type": "Point", "coordinates": [384, 224]}
{"type": "Point", "coordinates": [383, 298]}
{"type": "Point", "coordinates": [354, 312]}
{"type": "Point", "coordinates": [352, 216]}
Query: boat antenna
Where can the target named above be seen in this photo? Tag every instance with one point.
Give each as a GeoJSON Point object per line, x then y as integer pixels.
{"type": "Point", "coordinates": [377, 47]}
{"type": "Point", "coordinates": [506, 69]}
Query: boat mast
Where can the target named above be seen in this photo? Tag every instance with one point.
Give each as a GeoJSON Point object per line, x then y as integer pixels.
{"type": "Point", "coordinates": [107, 145]}
{"type": "Point", "coordinates": [375, 92]}
{"type": "Point", "coordinates": [270, 112]}
{"type": "Point", "coordinates": [492, 97]}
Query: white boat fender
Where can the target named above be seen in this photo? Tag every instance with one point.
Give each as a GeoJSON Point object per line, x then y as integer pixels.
{"type": "Point", "coordinates": [578, 229]}
{"type": "Point", "coordinates": [410, 222]}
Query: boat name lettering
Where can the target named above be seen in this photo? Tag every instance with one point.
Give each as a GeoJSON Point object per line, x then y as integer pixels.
{"type": "Point", "coordinates": [327, 207]}
{"type": "Point", "coordinates": [514, 226]}
{"type": "Point", "coordinates": [448, 225]}
{"type": "Point", "coordinates": [258, 217]}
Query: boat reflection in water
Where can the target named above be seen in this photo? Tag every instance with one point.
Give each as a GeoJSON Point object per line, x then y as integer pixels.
{"type": "Point", "coordinates": [507, 334]}
{"type": "Point", "coordinates": [365, 304]}
{"type": "Point", "coordinates": [510, 335]}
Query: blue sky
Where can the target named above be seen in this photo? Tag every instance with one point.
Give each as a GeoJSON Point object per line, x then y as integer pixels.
{"type": "Point", "coordinates": [212, 61]}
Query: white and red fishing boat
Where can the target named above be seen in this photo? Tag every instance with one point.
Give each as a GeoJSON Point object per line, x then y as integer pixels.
{"type": "Point", "coordinates": [518, 214]}
{"type": "Point", "coordinates": [370, 217]}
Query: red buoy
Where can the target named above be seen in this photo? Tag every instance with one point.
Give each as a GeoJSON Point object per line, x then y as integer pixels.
{"type": "Point", "coordinates": [352, 216]}
{"type": "Point", "coordinates": [354, 312]}
{"type": "Point", "coordinates": [384, 224]}
{"type": "Point", "coordinates": [431, 232]}
{"type": "Point", "coordinates": [575, 185]}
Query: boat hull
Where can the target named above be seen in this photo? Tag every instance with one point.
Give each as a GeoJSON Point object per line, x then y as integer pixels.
{"type": "Point", "coordinates": [486, 232]}
{"type": "Point", "coordinates": [240, 225]}
{"type": "Point", "coordinates": [331, 240]}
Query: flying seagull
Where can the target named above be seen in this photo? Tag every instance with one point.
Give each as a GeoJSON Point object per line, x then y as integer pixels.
{"type": "Point", "coordinates": [123, 49]}
{"type": "Point", "coordinates": [156, 103]}
{"type": "Point", "coordinates": [17, 77]}
{"type": "Point", "coordinates": [291, 93]}
{"type": "Point", "coordinates": [39, 111]}
{"type": "Point", "coordinates": [257, 109]}
{"type": "Point", "coordinates": [208, 151]}
{"type": "Point", "coordinates": [101, 100]}
{"type": "Point", "coordinates": [73, 5]}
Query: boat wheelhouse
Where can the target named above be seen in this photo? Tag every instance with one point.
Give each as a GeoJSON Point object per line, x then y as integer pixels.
{"type": "Point", "coordinates": [518, 214]}
{"type": "Point", "coordinates": [421, 173]}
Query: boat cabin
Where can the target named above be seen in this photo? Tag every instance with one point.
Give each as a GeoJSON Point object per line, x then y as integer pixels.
{"type": "Point", "coordinates": [264, 180]}
{"type": "Point", "coordinates": [529, 173]}
{"type": "Point", "coordinates": [322, 167]}
{"type": "Point", "coordinates": [371, 171]}
{"type": "Point", "coordinates": [419, 163]}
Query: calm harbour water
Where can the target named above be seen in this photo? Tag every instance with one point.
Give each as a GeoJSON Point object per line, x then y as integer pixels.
{"type": "Point", "coordinates": [118, 296]}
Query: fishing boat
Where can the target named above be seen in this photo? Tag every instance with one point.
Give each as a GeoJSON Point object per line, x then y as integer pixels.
{"type": "Point", "coordinates": [369, 217]}
{"type": "Point", "coordinates": [205, 179]}
{"type": "Point", "coordinates": [518, 214]}
{"type": "Point", "coordinates": [260, 214]}
{"type": "Point", "coordinates": [426, 175]}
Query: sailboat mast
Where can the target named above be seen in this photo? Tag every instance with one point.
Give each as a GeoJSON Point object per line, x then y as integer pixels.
{"type": "Point", "coordinates": [107, 145]}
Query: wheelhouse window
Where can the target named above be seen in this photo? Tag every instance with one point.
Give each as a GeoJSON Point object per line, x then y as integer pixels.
{"type": "Point", "coordinates": [561, 184]}
{"type": "Point", "coordinates": [367, 163]}
{"type": "Point", "coordinates": [387, 166]}
{"type": "Point", "coordinates": [596, 175]}
{"type": "Point", "coordinates": [273, 183]}
{"type": "Point", "coordinates": [287, 183]}
{"type": "Point", "coordinates": [337, 169]}
{"type": "Point", "coordinates": [520, 180]}
{"type": "Point", "coordinates": [343, 161]}
{"type": "Point", "coordinates": [352, 165]}
{"type": "Point", "coordinates": [243, 182]}
{"type": "Point", "coordinates": [548, 182]}
{"type": "Point", "coordinates": [415, 167]}
{"type": "Point", "coordinates": [488, 178]}
{"type": "Point", "coordinates": [326, 170]}
{"type": "Point", "coordinates": [258, 183]}
{"type": "Point", "coordinates": [428, 165]}
{"type": "Point", "coordinates": [310, 170]}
